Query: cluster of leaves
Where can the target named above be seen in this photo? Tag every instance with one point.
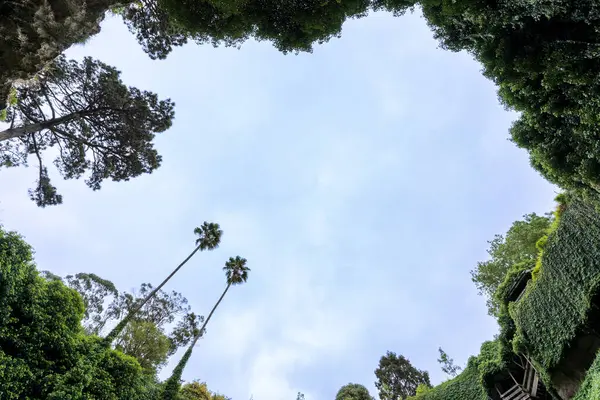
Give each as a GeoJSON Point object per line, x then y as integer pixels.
{"type": "Point", "coordinates": [397, 378]}
{"type": "Point", "coordinates": [197, 390]}
{"type": "Point", "coordinates": [97, 125]}
{"type": "Point", "coordinates": [562, 200]}
{"type": "Point", "coordinates": [353, 391]}
{"type": "Point", "coordinates": [145, 336]}
{"type": "Point", "coordinates": [159, 25]}
{"type": "Point", "coordinates": [447, 363]}
{"type": "Point", "coordinates": [544, 57]}
{"type": "Point", "coordinates": [467, 385]}
{"type": "Point", "coordinates": [518, 246]}
{"type": "Point", "coordinates": [44, 352]}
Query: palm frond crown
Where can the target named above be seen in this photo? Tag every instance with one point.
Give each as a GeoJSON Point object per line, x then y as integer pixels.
{"type": "Point", "coordinates": [209, 235]}
{"type": "Point", "coordinates": [236, 270]}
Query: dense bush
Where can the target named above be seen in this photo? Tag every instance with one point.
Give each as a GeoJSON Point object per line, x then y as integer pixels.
{"type": "Point", "coordinates": [44, 352]}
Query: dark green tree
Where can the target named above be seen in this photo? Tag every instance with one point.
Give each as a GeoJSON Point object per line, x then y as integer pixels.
{"type": "Point", "coordinates": [98, 126]}
{"type": "Point", "coordinates": [397, 379]}
{"type": "Point", "coordinates": [518, 245]}
{"type": "Point", "coordinates": [209, 237]}
{"type": "Point", "coordinates": [447, 364]}
{"type": "Point", "coordinates": [236, 273]}
{"type": "Point", "coordinates": [43, 351]}
{"type": "Point", "coordinates": [153, 27]}
{"type": "Point", "coordinates": [353, 391]}
{"type": "Point", "coordinates": [159, 25]}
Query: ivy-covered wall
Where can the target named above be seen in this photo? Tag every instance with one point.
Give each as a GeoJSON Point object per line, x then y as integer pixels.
{"type": "Point", "coordinates": [469, 384]}
{"type": "Point", "coordinates": [555, 307]}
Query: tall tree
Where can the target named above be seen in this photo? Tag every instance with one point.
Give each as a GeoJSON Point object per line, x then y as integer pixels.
{"type": "Point", "coordinates": [236, 273]}
{"type": "Point", "coordinates": [447, 364]}
{"type": "Point", "coordinates": [98, 126]}
{"type": "Point", "coordinates": [209, 237]}
{"type": "Point", "coordinates": [397, 379]}
{"type": "Point", "coordinates": [353, 391]}
{"type": "Point", "coordinates": [518, 245]}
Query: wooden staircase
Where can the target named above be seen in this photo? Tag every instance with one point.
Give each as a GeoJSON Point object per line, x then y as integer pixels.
{"type": "Point", "coordinates": [526, 390]}
{"type": "Point", "coordinates": [515, 393]}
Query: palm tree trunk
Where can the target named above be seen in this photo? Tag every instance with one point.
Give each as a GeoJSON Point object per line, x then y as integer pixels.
{"type": "Point", "coordinates": [121, 325]}
{"type": "Point", "coordinates": [172, 385]}
{"type": "Point", "coordinates": [12, 133]}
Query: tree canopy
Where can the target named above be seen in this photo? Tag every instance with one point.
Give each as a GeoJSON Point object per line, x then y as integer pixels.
{"type": "Point", "coordinates": [505, 251]}
{"type": "Point", "coordinates": [44, 353]}
{"type": "Point", "coordinates": [159, 25]}
{"type": "Point", "coordinates": [197, 390]}
{"type": "Point", "coordinates": [397, 379]}
{"type": "Point", "coordinates": [97, 126]}
{"type": "Point", "coordinates": [353, 391]}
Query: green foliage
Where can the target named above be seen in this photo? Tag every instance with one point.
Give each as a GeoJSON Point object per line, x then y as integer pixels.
{"type": "Point", "coordinates": [159, 25]}
{"type": "Point", "coordinates": [173, 384]}
{"type": "Point", "coordinates": [397, 378]}
{"type": "Point", "coordinates": [470, 384]}
{"type": "Point", "coordinates": [422, 389]}
{"type": "Point", "coordinates": [519, 245]}
{"type": "Point", "coordinates": [556, 305]}
{"type": "Point", "coordinates": [197, 390]}
{"type": "Point", "coordinates": [146, 343]}
{"type": "Point", "coordinates": [353, 391]}
{"type": "Point", "coordinates": [590, 387]}
{"type": "Point", "coordinates": [100, 127]}
{"type": "Point", "coordinates": [544, 57]}
{"type": "Point", "coordinates": [541, 244]}
{"type": "Point", "coordinates": [44, 353]}
{"type": "Point", "coordinates": [447, 365]}
{"type": "Point", "coordinates": [465, 386]}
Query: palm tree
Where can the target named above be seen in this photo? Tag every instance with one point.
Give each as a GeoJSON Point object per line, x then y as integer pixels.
{"type": "Point", "coordinates": [236, 273]}
{"type": "Point", "coordinates": [209, 237]}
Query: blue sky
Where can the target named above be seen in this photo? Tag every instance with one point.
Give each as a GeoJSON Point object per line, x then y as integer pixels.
{"type": "Point", "coordinates": [361, 182]}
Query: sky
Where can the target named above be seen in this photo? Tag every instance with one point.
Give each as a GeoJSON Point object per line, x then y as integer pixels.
{"type": "Point", "coordinates": [362, 183]}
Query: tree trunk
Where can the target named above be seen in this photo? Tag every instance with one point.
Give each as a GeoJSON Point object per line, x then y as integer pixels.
{"type": "Point", "coordinates": [172, 384]}
{"type": "Point", "coordinates": [210, 315]}
{"type": "Point", "coordinates": [12, 133]}
{"type": "Point", "coordinates": [121, 325]}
